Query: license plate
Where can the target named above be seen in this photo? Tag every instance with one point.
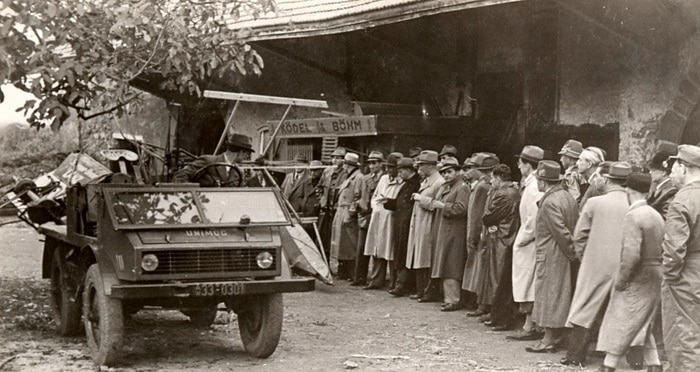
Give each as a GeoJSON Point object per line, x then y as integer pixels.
{"type": "Point", "coordinates": [218, 289]}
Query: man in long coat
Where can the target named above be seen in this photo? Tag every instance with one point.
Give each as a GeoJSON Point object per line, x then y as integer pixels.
{"type": "Point", "coordinates": [636, 294]}
{"type": "Point", "coordinates": [402, 206]}
{"type": "Point", "coordinates": [524, 247]}
{"type": "Point", "coordinates": [344, 234]}
{"type": "Point", "coordinates": [364, 189]}
{"type": "Point", "coordinates": [421, 238]}
{"type": "Point", "coordinates": [451, 203]}
{"type": "Point", "coordinates": [380, 235]}
{"type": "Point", "coordinates": [500, 226]}
{"type": "Point", "coordinates": [331, 178]}
{"type": "Point", "coordinates": [472, 279]}
{"type": "Point", "coordinates": [597, 239]}
{"type": "Point", "coordinates": [680, 294]}
{"type": "Point", "coordinates": [574, 182]}
{"type": "Point", "coordinates": [662, 189]}
{"type": "Point", "coordinates": [556, 219]}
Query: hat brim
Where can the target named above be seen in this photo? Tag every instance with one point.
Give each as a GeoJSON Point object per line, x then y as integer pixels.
{"type": "Point", "coordinates": [451, 166]}
{"type": "Point", "coordinates": [615, 177]}
{"type": "Point", "coordinates": [351, 163]}
{"type": "Point", "coordinates": [570, 154]}
{"type": "Point", "coordinates": [528, 158]}
{"type": "Point", "coordinates": [419, 162]}
{"type": "Point", "coordinates": [561, 177]}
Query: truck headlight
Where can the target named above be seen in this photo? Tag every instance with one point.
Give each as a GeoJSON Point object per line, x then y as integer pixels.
{"type": "Point", "coordinates": [264, 260]}
{"type": "Point", "coordinates": [149, 262]}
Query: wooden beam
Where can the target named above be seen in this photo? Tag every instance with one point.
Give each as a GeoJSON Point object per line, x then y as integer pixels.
{"type": "Point", "coordinates": [265, 99]}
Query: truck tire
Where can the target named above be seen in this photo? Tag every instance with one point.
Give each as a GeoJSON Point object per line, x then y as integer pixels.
{"type": "Point", "coordinates": [104, 320]}
{"type": "Point", "coordinates": [260, 324]}
{"type": "Point", "coordinates": [64, 302]}
{"type": "Point", "coordinates": [202, 317]}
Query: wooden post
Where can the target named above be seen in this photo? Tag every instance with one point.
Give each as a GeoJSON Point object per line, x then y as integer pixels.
{"type": "Point", "coordinates": [228, 124]}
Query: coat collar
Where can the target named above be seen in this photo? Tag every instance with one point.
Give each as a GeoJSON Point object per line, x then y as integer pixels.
{"type": "Point", "coordinates": [549, 192]}
{"type": "Point", "coordinates": [638, 204]}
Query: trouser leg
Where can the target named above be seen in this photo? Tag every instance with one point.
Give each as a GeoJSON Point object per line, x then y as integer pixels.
{"type": "Point", "coordinates": [432, 288]}
{"type": "Point", "coordinates": [392, 274]}
{"type": "Point", "coordinates": [422, 279]}
{"type": "Point", "coordinates": [378, 276]}
{"type": "Point", "coordinates": [361, 261]}
{"type": "Point", "coordinates": [452, 290]}
{"type": "Point", "coordinates": [579, 338]}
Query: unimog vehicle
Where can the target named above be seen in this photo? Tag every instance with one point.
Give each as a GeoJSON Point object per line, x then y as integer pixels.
{"type": "Point", "coordinates": [178, 246]}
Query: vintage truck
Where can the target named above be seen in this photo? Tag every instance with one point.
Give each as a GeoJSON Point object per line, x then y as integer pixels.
{"type": "Point", "coordinates": [124, 246]}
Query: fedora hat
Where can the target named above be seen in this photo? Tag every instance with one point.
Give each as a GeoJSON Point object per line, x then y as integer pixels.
{"type": "Point", "coordinates": [352, 159]}
{"type": "Point", "coordinates": [393, 158]}
{"type": "Point", "coordinates": [375, 156]}
{"type": "Point", "coordinates": [689, 154]}
{"type": "Point", "coordinates": [339, 151]}
{"type": "Point", "coordinates": [531, 153]}
{"type": "Point", "coordinates": [240, 141]}
{"type": "Point", "coordinates": [315, 164]}
{"type": "Point", "coordinates": [414, 151]}
{"type": "Point", "coordinates": [619, 170]}
{"type": "Point", "coordinates": [448, 150]}
{"type": "Point", "coordinates": [449, 163]}
{"type": "Point", "coordinates": [486, 162]}
{"type": "Point", "coordinates": [572, 148]}
{"type": "Point", "coordinates": [427, 157]}
{"type": "Point", "coordinates": [405, 163]}
{"type": "Point", "coordinates": [658, 161]}
{"type": "Point", "coordinates": [300, 159]}
{"type": "Point", "coordinates": [469, 162]}
{"type": "Point", "coordinates": [548, 170]}
{"type": "Point", "coordinates": [640, 182]}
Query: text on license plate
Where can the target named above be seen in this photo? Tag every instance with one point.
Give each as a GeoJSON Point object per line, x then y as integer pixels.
{"type": "Point", "coordinates": [218, 289]}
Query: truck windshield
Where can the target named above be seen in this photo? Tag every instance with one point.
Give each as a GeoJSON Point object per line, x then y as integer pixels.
{"type": "Point", "coordinates": [196, 207]}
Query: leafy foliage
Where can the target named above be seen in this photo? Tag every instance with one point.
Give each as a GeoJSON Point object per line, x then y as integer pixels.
{"type": "Point", "coordinates": [83, 54]}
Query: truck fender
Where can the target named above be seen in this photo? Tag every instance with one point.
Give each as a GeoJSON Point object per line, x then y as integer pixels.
{"type": "Point", "coordinates": [109, 277]}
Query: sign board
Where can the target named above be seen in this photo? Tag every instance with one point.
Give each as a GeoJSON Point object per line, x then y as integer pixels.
{"type": "Point", "coordinates": [79, 168]}
{"type": "Point", "coordinates": [348, 126]}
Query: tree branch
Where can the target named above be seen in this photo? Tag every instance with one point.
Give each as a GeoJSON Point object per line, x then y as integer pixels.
{"type": "Point", "coordinates": [155, 49]}
{"type": "Point", "coordinates": [115, 108]}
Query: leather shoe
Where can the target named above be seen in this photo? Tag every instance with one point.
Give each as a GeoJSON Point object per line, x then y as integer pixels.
{"type": "Point", "coordinates": [475, 313]}
{"type": "Point", "coordinates": [604, 368]}
{"type": "Point", "coordinates": [541, 348]}
{"type": "Point", "coordinates": [484, 318]}
{"type": "Point", "coordinates": [569, 362]}
{"type": "Point", "coordinates": [526, 336]}
{"type": "Point", "coordinates": [371, 286]}
{"type": "Point", "coordinates": [450, 307]}
{"type": "Point", "coordinates": [500, 327]}
{"type": "Point", "coordinates": [414, 297]}
{"type": "Point", "coordinates": [358, 283]}
{"type": "Point", "coordinates": [397, 292]}
{"type": "Point", "coordinates": [428, 299]}
{"type": "Point", "coordinates": [489, 323]}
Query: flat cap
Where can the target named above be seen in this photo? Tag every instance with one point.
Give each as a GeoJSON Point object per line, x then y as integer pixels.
{"type": "Point", "coordinates": [689, 154]}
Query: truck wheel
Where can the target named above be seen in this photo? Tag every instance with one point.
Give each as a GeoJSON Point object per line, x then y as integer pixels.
{"type": "Point", "coordinates": [65, 306]}
{"type": "Point", "coordinates": [260, 324]}
{"type": "Point", "coordinates": [104, 320]}
{"type": "Point", "coordinates": [202, 317]}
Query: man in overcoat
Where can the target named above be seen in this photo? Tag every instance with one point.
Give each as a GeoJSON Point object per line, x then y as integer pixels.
{"type": "Point", "coordinates": [587, 165]}
{"type": "Point", "coordinates": [238, 148]}
{"type": "Point", "coordinates": [500, 226]}
{"type": "Point", "coordinates": [472, 280]}
{"type": "Point", "coordinates": [555, 255]}
{"type": "Point", "coordinates": [524, 247]}
{"type": "Point", "coordinates": [680, 291]}
{"type": "Point", "coordinates": [296, 177]}
{"type": "Point", "coordinates": [636, 295]}
{"type": "Point", "coordinates": [364, 189]}
{"type": "Point", "coordinates": [597, 240]}
{"type": "Point", "coordinates": [662, 190]}
{"type": "Point", "coordinates": [344, 234]}
{"type": "Point", "coordinates": [421, 238]}
{"type": "Point", "coordinates": [402, 206]}
{"type": "Point", "coordinates": [573, 181]}
{"type": "Point", "coordinates": [331, 178]}
{"type": "Point", "coordinates": [450, 255]}
{"type": "Point", "coordinates": [380, 235]}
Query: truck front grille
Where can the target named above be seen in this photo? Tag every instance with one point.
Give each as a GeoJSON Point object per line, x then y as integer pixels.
{"type": "Point", "coordinates": [208, 261]}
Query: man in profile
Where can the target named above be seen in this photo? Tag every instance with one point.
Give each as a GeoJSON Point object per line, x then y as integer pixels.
{"type": "Point", "coordinates": [225, 172]}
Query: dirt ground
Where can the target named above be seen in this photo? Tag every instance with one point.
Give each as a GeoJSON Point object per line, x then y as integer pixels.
{"type": "Point", "coordinates": [333, 328]}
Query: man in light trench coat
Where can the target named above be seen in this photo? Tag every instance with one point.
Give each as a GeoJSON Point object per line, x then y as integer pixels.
{"type": "Point", "coordinates": [525, 245]}
{"type": "Point", "coordinates": [680, 291]}
{"type": "Point", "coordinates": [598, 240]}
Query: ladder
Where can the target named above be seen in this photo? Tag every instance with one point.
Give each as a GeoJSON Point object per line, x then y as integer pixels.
{"type": "Point", "coordinates": [327, 147]}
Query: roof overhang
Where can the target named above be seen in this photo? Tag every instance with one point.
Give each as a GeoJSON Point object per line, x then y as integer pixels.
{"type": "Point", "coordinates": [304, 18]}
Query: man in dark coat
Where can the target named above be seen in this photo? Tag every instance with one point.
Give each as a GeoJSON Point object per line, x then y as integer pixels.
{"type": "Point", "coordinates": [403, 209]}
{"type": "Point", "coordinates": [501, 224]}
{"type": "Point", "coordinates": [238, 148]}
{"type": "Point", "coordinates": [555, 255]}
{"type": "Point", "coordinates": [662, 189]}
{"type": "Point", "coordinates": [363, 191]}
{"type": "Point", "coordinates": [636, 295]}
{"type": "Point", "coordinates": [680, 297]}
{"type": "Point", "coordinates": [331, 178]}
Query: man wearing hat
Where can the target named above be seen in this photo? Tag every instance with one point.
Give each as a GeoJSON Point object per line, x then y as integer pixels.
{"type": "Point", "coordinates": [447, 151]}
{"type": "Point", "coordinates": [364, 189]}
{"type": "Point", "coordinates": [450, 251]}
{"type": "Point", "coordinates": [380, 238]}
{"type": "Point", "coordinates": [258, 179]}
{"type": "Point", "coordinates": [344, 234]}
{"type": "Point", "coordinates": [597, 240]}
{"type": "Point", "coordinates": [636, 293]}
{"type": "Point", "coordinates": [555, 256]}
{"type": "Point", "coordinates": [421, 239]}
{"type": "Point", "coordinates": [402, 206]}
{"type": "Point", "coordinates": [524, 245]}
{"type": "Point", "coordinates": [414, 152]}
{"type": "Point", "coordinates": [303, 196]}
{"type": "Point", "coordinates": [570, 153]}
{"type": "Point", "coordinates": [331, 178]}
{"type": "Point", "coordinates": [589, 160]}
{"type": "Point", "coordinates": [474, 269]}
{"type": "Point", "coordinates": [680, 298]}
{"type": "Point", "coordinates": [238, 148]}
{"type": "Point", "coordinates": [662, 189]}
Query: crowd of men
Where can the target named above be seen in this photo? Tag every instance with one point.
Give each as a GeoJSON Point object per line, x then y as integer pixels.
{"type": "Point", "coordinates": [597, 252]}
